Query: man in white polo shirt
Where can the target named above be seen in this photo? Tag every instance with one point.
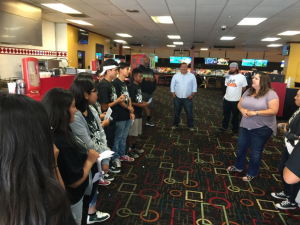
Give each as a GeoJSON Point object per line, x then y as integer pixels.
{"type": "Point", "coordinates": [236, 84]}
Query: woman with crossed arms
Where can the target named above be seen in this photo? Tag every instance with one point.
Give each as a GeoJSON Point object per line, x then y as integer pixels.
{"type": "Point", "coordinates": [259, 105]}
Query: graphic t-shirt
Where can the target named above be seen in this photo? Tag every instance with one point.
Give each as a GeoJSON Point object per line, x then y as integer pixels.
{"type": "Point", "coordinates": [234, 84]}
{"type": "Point", "coordinates": [121, 89]}
{"type": "Point", "coordinates": [70, 162]}
{"type": "Point", "coordinates": [107, 94]}
{"type": "Point", "coordinates": [135, 94]}
{"type": "Point", "coordinates": [93, 127]}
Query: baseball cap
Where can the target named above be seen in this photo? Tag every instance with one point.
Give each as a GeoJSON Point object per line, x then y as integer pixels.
{"type": "Point", "coordinates": [233, 64]}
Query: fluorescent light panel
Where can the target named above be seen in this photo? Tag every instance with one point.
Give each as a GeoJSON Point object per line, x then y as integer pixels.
{"type": "Point", "coordinates": [274, 45]}
{"type": "Point", "coordinates": [289, 33]}
{"type": "Point", "coordinates": [120, 41]}
{"type": "Point", "coordinates": [270, 39]}
{"type": "Point", "coordinates": [171, 45]}
{"type": "Point", "coordinates": [227, 38]}
{"type": "Point", "coordinates": [126, 47]}
{"type": "Point", "coordinates": [251, 21]}
{"type": "Point", "coordinates": [174, 36]}
{"type": "Point", "coordinates": [80, 22]}
{"type": "Point", "coordinates": [124, 35]}
{"type": "Point", "coordinates": [203, 49]}
{"type": "Point", "coordinates": [178, 43]}
{"type": "Point", "coordinates": [162, 19]}
{"type": "Point", "coordinates": [62, 8]}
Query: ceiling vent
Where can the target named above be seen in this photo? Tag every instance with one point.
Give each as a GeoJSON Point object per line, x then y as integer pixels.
{"type": "Point", "coordinates": [78, 15]}
{"type": "Point", "coordinates": [217, 46]}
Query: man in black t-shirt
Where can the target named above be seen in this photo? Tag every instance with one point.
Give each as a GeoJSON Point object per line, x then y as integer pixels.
{"type": "Point", "coordinates": [125, 114]}
{"type": "Point", "coordinates": [135, 94]}
{"type": "Point", "coordinates": [107, 97]}
{"type": "Point", "coordinates": [148, 86]}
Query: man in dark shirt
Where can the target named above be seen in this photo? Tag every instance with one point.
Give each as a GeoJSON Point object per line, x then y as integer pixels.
{"type": "Point", "coordinates": [107, 97]}
{"type": "Point", "coordinates": [148, 86]}
{"type": "Point", "coordinates": [99, 77]}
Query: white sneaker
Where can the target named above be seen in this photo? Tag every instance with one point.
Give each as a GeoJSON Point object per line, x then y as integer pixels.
{"type": "Point", "coordinates": [99, 217]}
{"type": "Point", "coordinates": [117, 163]}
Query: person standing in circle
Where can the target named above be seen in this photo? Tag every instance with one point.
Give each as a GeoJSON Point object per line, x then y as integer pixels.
{"type": "Point", "coordinates": [183, 88]}
{"type": "Point", "coordinates": [236, 84]}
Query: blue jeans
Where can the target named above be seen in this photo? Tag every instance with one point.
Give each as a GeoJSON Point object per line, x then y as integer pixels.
{"type": "Point", "coordinates": [256, 138]}
{"type": "Point", "coordinates": [94, 200]}
{"type": "Point", "coordinates": [188, 107]}
{"type": "Point", "coordinates": [122, 129]}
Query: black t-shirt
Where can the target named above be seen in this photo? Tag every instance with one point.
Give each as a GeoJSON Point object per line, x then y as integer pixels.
{"type": "Point", "coordinates": [70, 162]}
{"type": "Point", "coordinates": [121, 89]}
{"type": "Point", "coordinates": [93, 126]}
{"type": "Point", "coordinates": [293, 162]}
{"type": "Point", "coordinates": [107, 94]}
{"type": "Point", "coordinates": [135, 94]}
{"type": "Point", "coordinates": [147, 86]}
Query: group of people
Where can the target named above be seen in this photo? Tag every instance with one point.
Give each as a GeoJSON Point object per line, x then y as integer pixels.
{"type": "Point", "coordinates": [50, 173]}
{"type": "Point", "coordinates": [52, 147]}
{"type": "Point", "coordinates": [259, 105]}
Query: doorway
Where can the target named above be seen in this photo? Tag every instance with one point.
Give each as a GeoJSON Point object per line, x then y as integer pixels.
{"type": "Point", "coordinates": [100, 54]}
{"type": "Point", "coordinates": [81, 59]}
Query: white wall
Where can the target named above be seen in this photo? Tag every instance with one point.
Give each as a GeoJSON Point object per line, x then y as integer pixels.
{"type": "Point", "coordinates": [11, 65]}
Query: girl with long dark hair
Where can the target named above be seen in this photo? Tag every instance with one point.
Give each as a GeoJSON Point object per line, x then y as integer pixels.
{"type": "Point", "coordinates": [75, 161]}
{"type": "Point", "coordinates": [30, 192]}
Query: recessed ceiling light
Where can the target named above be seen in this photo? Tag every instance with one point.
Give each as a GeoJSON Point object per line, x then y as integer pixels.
{"type": "Point", "coordinates": [251, 21]}
{"type": "Point", "coordinates": [274, 45]}
{"type": "Point", "coordinates": [162, 19]}
{"type": "Point", "coordinates": [124, 35]}
{"type": "Point", "coordinates": [289, 33]}
{"type": "Point", "coordinates": [203, 49]}
{"type": "Point", "coordinates": [171, 45]}
{"type": "Point", "coordinates": [227, 38]}
{"type": "Point", "coordinates": [270, 39]}
{"type": "Point", "coordinates": [178, 43]}
{"type": "Point", "coordinates": [132, 10]}
{"type": "Point", "coordinates": [80, 22]}
{"type": "Point", "coordinates": [120, 41]}
{"type": "Point", "coordinates": [62, 8]}
{"type": "Point", "coordinates": [174, 36]}
{"type": "Point", "coordinates": [126, 47]}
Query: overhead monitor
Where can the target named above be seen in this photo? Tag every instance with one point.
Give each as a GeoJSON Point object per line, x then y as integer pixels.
{"type": "Point", "coordinates": [179, 59]}
{"type": "Point", "coordinates": [286, 49]}
{"type": "Point", "coordinates": [261, 62]}
{"type": "Point", "coordinates": [211, 61]}
{"type": "Point", "coordinates": [282, 63]}
{"type": "Point", "coordinates": [156, 58]}
{"type": "Point", "coordinates": [248, 62]}
{"type": "Point", "coordinates": [223, 61]}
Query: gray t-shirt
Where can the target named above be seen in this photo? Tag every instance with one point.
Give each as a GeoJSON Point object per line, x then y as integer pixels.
{"type": "Point", "coordinates": [253, 104]}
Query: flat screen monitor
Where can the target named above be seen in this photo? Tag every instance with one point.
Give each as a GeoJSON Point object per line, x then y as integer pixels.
{"type": "Point", "coordinates": [248, 62]}
{"type": "Point", "coordinates": [286, 49]}
{"type": "Point", "coordinates": [211, 61]}
{"type": "Point", "coordinates": [156, 58]}
{"type": "Point", "coordinates": [178, 59]}
{"type": "Point", "coordinates": [120, 57]}
{"type": "Point", "coordinates": [83, 36]}
{"type": "Point", "coordinates": [261, 62]}
{"type": "Point", "coordinates": [223, 61]}
{"type": "Point", "coordinates": [282, 63]}
{"type": "Point", "coordinates": [99, 56]}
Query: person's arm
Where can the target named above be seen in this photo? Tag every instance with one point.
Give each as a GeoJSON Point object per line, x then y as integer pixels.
{"type": "Point", "coordinates": [273, 107]}
{"type": "Point", "coordinates": [105, 105]}
{"type": "Point", "coordinates": [172, 86]}
{"type": "Point", "coordinates": [56, 170]}
{"type": "Point", "coordinates": [243, 89]}
{"type": "Point", "coordinates": [194, 88]}
{"type": "Point", "coordinates": [242, 110]}
{"type": "Point", "coordinates": [142, 105]}
{"type": "Point", "coordinates": [92, 158]}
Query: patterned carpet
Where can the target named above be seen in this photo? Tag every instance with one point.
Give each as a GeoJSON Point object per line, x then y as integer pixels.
{"type": "Point", "coordinates": [181, 179]}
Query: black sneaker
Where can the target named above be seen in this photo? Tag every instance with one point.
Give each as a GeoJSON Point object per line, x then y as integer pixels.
{"type": "Point", "coordinates": [286, 205]}
{"type": "Point", "coordinates": [131, 154]}
{"type": "Point", "coordinates": [149, 123]}
{"type": "Point", "coordinates": [99, 217]}
{"type": "Point", "coordinates": [107, 177]}
{"type": "Point", "coordinates": [279, 195]}
{"type": "Point", "coordinates": [114, 170]}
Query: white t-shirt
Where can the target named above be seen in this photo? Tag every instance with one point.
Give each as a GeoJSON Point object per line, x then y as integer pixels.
{"type": "Point", "coordinates": [234, 84]}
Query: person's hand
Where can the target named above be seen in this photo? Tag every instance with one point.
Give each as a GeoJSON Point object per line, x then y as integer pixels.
{"type": "Point", "coordinates": [251, 113]}
{"type": "Point", "coordinates": [147, 79]}
{"type": "Point", "coordinates": [105, 123]}
{"type": "Point", "coordinates": [122, 98]}
{"type": "Point", "coordinates": [132, 116]}
{"type": "Point", "coordinates": [56, 152]}
{"type": "Point", "coordinates": [102, 116]}
{"type": "Point", "coordinates": [245, 112]}
{"type": "Point", "coordinates": [144, 105]}
{"type": "Point", "coordinates": [93, 156]}
{"type": "Point", "coordinates": [284, 129]}
{"type": "Point", "coordinates": [190, 97]}
{"type": "Point", "coordinates": [173, 94]}
{"type": "Point", "coordinates": [152, 79]}
{"type": "Point", "coordinates": [131, 109]}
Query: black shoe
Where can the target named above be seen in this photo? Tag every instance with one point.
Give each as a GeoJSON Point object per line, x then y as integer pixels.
{"type": "Point", "coordinates": [149, 123]}
{"type": "Point", "coordinates": [292, 221]}
{"type": "Point", "coordinates": [114, 170]}
{"type": "Point", "coordinates": [107, 177]}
